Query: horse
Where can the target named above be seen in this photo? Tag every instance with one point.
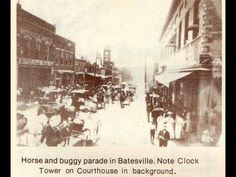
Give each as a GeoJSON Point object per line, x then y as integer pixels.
{"type": "Point", "coordinates": [21, 121]}
{"type": "Point", "coordinates": [55, 135]}
{"type": "Point", "coordinates": [67, 112]}
{"type": "Point", "coordinates": [29, 132]}
{"type": "Point", "coordinates": [21, 130]}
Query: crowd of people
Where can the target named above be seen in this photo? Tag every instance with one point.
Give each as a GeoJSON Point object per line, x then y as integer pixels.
{"type": "Point", "coordinates": [64, 111]}
{"type": "Point", "coordinates": [178, 122]}
{"type": "Point", "coordinates": [166, 122]}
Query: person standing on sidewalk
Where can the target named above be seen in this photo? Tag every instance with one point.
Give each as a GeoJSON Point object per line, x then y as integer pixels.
{"type": "Point", "coordinates": [170, 122]}
{"type": "Point", "coordinates": [149, 109]}
{"type": "Point", "coordinates": [164, 137]}
{"type": "Point", "coordinates": [179, 125]}
{"type": "Point", "coordinates": [152, 131]}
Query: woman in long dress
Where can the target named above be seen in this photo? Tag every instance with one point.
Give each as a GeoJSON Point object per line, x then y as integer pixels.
{"type": "Point", "coordinates": [188, 128]}
{"type": "Point", "coordinates": [160, 123]}
{"type": "Point", "coordinates": [170, 124]}
{"type": "Point", "coordinates": [179, 124]}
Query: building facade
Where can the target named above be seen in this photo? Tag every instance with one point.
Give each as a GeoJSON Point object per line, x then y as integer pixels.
{"type": "Point", "coordinates": [191, 57]}
{"type": "Point", "coordinates": [82, 68]}
{"type": "Point", "coordinates": [64, 73]}
{"type": "Point", "coordinates": [43, 57]}
{"type": "Point", "coordinates": [35, 57]}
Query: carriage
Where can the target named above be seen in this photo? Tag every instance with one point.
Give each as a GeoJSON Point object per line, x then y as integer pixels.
{"type": "Point", "coordinates": [100, 100]}
{"type": "Point", "coordinates": [21, 123]}
{"type": "Point", "coordinates": [78, 97]}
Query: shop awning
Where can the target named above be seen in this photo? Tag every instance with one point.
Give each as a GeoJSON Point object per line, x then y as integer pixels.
{"type": "Point", "coordinates": [92, 74]}
{"type": "Point", "coordinates": [168, 77]}
{"type": "Point", "coordinates": [61, 71]}
{"type": "Point", "coordinates": [78, 73]}
{"type": "Point", "coordinates": [195, 67]}
{"type": "Point", "coordinates": [108, 76]}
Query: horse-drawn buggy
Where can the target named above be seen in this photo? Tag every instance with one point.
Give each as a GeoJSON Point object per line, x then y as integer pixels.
{"type": "Point", "coordinates": [115, 92]}
{"type": "Point", "coordinates": [85, 132]}
{"type": "Point", "coordinates": [79, 96]}
{"type": "Point", "coordinates": [100, 100]}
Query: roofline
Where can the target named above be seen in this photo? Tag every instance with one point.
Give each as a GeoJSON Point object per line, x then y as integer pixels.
{"type": "Point", "coordinates": [169, 16]}
{"type": "Point", "coordinates": [68, 40]}
{"type": "Point", "coordinates": [38, 18]}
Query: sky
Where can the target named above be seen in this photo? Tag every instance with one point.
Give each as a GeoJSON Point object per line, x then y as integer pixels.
{"type": "Point", "coordinates": [130, 28]}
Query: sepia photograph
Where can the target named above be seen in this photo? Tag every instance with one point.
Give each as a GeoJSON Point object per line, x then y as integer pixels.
{"type": "Point", "coordinates": [107, 73]}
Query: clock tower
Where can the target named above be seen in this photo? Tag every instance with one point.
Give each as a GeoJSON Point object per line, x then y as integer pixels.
{"type": "Point", "coordinates": [106, 56]}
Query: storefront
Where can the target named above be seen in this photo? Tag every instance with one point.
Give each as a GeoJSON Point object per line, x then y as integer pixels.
{"type": "Point", "coordinates": [33, 73]}
{"type": "Point", "coordinates": [64, 78]}
{"type": "Point", "coordinates": [190, 89]}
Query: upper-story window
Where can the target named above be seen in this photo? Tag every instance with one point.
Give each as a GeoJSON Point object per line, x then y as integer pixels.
{"type": "Point", "coordinates": [176, 19]}
{"type": "Point", "coordinates": [27, 48]}
{"type": "Point", "coordinates": [185, 3]}
{"type": "Point", "coordinates": [173, 42]}
{"type": "Point", "coordinates": [180, 10]}
{"type": "Point", "coordinates": [180, 35]}
{"type": "Point", "coordinates": [58, 61]}
{"type": "Point", "coordinates": [38, 46]}
{"type": "Point", "coordinates": [196, 18]}
{"type": "Point", "coordinates": [186, 27]}
{"type": "Point", "coordinates": [69, 62]}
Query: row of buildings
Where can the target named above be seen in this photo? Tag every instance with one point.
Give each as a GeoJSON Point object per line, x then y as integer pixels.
{"type": "Point", "coordinates": [189, 69]}
{"type": "Point", "coordinates": [45, 58]}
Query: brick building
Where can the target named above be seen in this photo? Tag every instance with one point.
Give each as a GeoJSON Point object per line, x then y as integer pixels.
{"type": "Point", "coordinates": [64, 61]}
{"type": "Point", "coordinates": [43, 57]}
{"type": "Point", "coordinates": [191, 56]}
{"type": "Point", "coordinates": [82, 68]}
{"type": "Point", "coordinates": [35, 58]}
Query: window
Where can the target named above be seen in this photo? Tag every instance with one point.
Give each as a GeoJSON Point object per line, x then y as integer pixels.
{"type": "Point", "coordinates": [173, 42]}
{"type": "Point", "coordinates": [62, 54]}
{"type": "Point", "coordinates": [61, 61]}
{"type": "Point", "coordinates": [37, 54]}
{"type": "Point", "coordinates": [186, 27]}
{"type": "Point", "coordinates": [196, 18]}
{"type": "Point", "coordinates": [38, 46]}
{"type": "Point", "coordinates": [28, 48]}
{"type": "Point", "coordinates": [185, 3]}
{"type": "Point", "coordinates": [180, 10]}
{"type": "Point", "coordinates": [179, 37]}
{"type": "Point", "coordinates": [176, 19]}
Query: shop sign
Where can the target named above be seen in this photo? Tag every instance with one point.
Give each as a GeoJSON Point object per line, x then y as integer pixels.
{"type": "Point", "coordinates": [28, 61]}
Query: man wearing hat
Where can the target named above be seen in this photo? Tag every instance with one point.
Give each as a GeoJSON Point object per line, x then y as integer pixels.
{"type": "Point", "coordinates": [163, 136]}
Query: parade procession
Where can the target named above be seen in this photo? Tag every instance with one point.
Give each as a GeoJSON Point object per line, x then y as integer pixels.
{"type": "Point", "coordinates": [70, 95]}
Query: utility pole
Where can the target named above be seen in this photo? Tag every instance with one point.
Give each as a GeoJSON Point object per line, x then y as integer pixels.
{"type": "Point", "coordinates": [145, 72]}
{"type": "Point", "coordinates": [95, 70]}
